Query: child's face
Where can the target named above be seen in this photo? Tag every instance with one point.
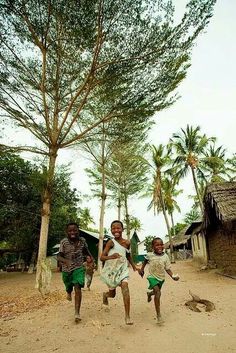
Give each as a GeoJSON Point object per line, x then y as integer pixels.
{"type": "Point", "coordinates": [88, 258]}
{"type": "Point", "coordinates": [158, 246]}
{"type": "Point", "coordinates": [116, 229]}
{"type": "Point", "coordinates": [72, 231]}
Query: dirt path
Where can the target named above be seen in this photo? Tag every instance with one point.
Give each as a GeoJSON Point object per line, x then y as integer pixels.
{"type": "Point", "coordinates": [51, 328]}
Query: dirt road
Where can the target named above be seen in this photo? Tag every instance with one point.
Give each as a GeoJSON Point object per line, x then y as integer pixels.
{"type": "Point", "coordinates": [52, 329]}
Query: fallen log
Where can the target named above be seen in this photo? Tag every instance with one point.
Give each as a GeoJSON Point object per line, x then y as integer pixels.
{"type": "Point", "coordinates": [192, 304]}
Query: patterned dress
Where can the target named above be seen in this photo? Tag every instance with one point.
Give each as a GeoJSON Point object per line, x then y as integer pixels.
{"type": "Point", "coordinates": [115, 270]}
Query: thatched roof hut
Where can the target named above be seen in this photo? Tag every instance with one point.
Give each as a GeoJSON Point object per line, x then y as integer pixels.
{"type": "Point", "coordinates": [220, 203]}
{"type": "Point", "coordinates": [219, 225]}
{"type": "Point", "coordinates": [179, 240]}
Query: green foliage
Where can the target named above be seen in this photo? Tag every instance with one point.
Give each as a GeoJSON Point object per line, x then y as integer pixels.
{"type": "Point", "coordinates": [190, 146]}
{"type": "Point", "coordinates": [192, 216]}
{"type": "Point", "coordinates": [67, 62]}
{"type": "Point", "coordinates": [20, 204]}
{"type": "Point", "coordinates": [161, 159]}
{"type": "Point", "coordinates": [135, 223]}
{"type": "Point", "coordinates": [148, 243]}
{"type": "Point", "coordinates": [85, 219]}
{"type": "Point", "coordinates": [178, 228]}
{"type": "Point", "coordinates": [217, 168]}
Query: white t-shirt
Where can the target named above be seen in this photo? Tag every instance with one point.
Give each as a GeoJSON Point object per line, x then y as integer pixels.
{"type": "Point", "coordinates": [158, 264]}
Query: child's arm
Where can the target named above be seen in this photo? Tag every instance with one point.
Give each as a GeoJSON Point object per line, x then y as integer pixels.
{"type": "Point", "coordinates": [61, 256]}
{"type": "Point", "coordinates": [105, 255]}
{"type": "Point", "coordinates": [141, 270]}
{"type": "Point", "coordinates": [174, 277]}
{"type": "Point", "coordinates": [129, 258]}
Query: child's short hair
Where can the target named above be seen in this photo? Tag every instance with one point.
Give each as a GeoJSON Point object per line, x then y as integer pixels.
{"type": "Point", "coordinates": [157, 238]}
{"type": "Point", "coordinates": [117, 221]}
{"type": "Point", "coordinates": [72, 224]}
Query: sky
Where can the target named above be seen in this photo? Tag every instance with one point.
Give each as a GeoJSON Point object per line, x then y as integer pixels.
{"type": "Point", "coordinates": [208, 99]}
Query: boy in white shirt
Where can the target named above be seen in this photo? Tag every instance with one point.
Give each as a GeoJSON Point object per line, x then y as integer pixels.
{"type": "Point", "coordinates": [159, 263]}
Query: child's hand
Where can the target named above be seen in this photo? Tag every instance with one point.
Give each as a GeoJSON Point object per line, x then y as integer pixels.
{"type": "Point", "coordinates": [140, 272]}
{"type": "Point", "coordinates": [175, 277]}
{"type": "Point", "coordinates": [68, 262]}
{"type": "Point", "coordinates": [115, 256]}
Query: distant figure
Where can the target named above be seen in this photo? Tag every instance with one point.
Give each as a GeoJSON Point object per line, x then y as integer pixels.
{"type": "Point", "coordinates": [89, 270]}
{"type": "Point", "coordinates": [159, 263]}
{"type": "Point", "coordinates": [115, 271]}
{"type": "Point", "coordinates": [72, 253]}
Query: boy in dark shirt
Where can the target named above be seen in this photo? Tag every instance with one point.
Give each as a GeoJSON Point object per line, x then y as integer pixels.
{"type": "Point", "coordinates": [72, 253]}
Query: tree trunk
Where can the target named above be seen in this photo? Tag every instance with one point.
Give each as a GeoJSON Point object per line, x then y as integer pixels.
{"type": "Point", "coordinates": [127, 221]}
{"type": "Point", "coordinates": [101, 224]}
{"type": "Point", "coordinates": [102, 210]}
{"type": "Point", "coordinates": [173, 224]}
{"type": "Point", "coordinates": [197, 190]}
{"type": "Point", "coordinates": [167, 226]}
{"type": "Point", "coordinates": [43, 272]}
{"type": "Point", "coordinates": [174, 233]}
{"type": "Point", "coordinates": [119, 208]}
{"type": "Point", "coordinates": [32, 262]}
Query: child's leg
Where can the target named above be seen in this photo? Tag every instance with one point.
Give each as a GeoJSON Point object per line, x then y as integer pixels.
{"type": "Point", "coordinates": [126, 299]}
{"type": "Point", "coordinates": [88, 280]}
{"type": "Point", "coordinates": [157, 296]}
{"type": "Point", "coordinates": [69, 297]}
{"type": "Point", "coordinates": [67, 279]}
{"type": "Point", "coordinates": [149, 296]}
{"type": "Point", "coordinates": [78, 298]}
{"type": "Point", "coordinates": [78, 281]}
{"type": "Point", "coordinates": [110, 294]}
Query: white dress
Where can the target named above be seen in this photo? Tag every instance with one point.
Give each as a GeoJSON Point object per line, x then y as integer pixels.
{"type": "Point", "coordinates": [115, 270]}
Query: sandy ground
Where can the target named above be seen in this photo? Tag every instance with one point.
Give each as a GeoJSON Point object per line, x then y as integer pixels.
{"type": "Point", "coordinates": [31, 325]}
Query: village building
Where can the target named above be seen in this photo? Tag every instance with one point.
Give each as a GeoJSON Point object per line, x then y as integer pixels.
{"type": "Point", "coordinates": [219, 226]}
{"type": "Point", "coordinates": [198, 242]}
{"type": "Point", "coordinates": [141, 251]}
{"type": "Point", "coordinates": [181, 245]}
{"type": "Point", "coordinates": [134, 246]}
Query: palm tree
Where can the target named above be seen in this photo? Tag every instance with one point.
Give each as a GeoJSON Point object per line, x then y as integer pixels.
{"type": "Point", "coordinates": [190, 145]}
{"type": "Point", "coordinates": [232, 163]}
{"type": "Point", "coordinates": [161, 159]}
{"type": "Point", "coordinates": [215, 163]}
{"type": "Point", "coordinates": [170, 193]}
{"type": "Point", "coordinates": [192, 216]}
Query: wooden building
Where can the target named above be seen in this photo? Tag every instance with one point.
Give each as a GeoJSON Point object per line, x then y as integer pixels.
{"type": "Point", "coordinates": [219, 225]}
{"type": "Point", "coordinates": [198, 242]}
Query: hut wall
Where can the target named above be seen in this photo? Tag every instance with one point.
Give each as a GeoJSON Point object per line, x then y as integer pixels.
{"type": "Point", "coordinates": [199, 250]}
{"type": "Point", "coordinates": [222, 249]}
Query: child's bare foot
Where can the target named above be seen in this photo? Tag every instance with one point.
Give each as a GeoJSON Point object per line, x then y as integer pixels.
{"type": "Point", "coordinates": [104, 299]}
{"type": "Point", "coordinates": [149, 297]}
{"type": "Point", "coordinates": [69, 297]}
{"type": "Point", "coordinates": [77, 318]}
{"type": "Point", "coordinates": [160, 320]}
{"type": "Point", "coordinates": [128, 321]}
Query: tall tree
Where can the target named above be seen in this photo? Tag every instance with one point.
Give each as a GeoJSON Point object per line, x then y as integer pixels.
{"type": "Point", "coordinates": [127, 174]}
{"type": "Point", "coordinates": [21, 185]}
{"type": "Point", "coordinates": [216, 165]}
{"type": "Point", "coordinates": [190, 146]}
{"type": "Point", "coordinates": [161, 158]}
{"type": "Point", "coordinates": [170, 193]}
{"type": "Point", "coordinates": [61, 59]}
{"type": "Point", "coordinates": [135, 223]}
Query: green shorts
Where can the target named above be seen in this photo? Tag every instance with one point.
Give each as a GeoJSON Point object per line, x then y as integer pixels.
{"type": "Point", "coordinates": [72, 278]}
{"type": "Point", "coordinates": [155, 282]}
